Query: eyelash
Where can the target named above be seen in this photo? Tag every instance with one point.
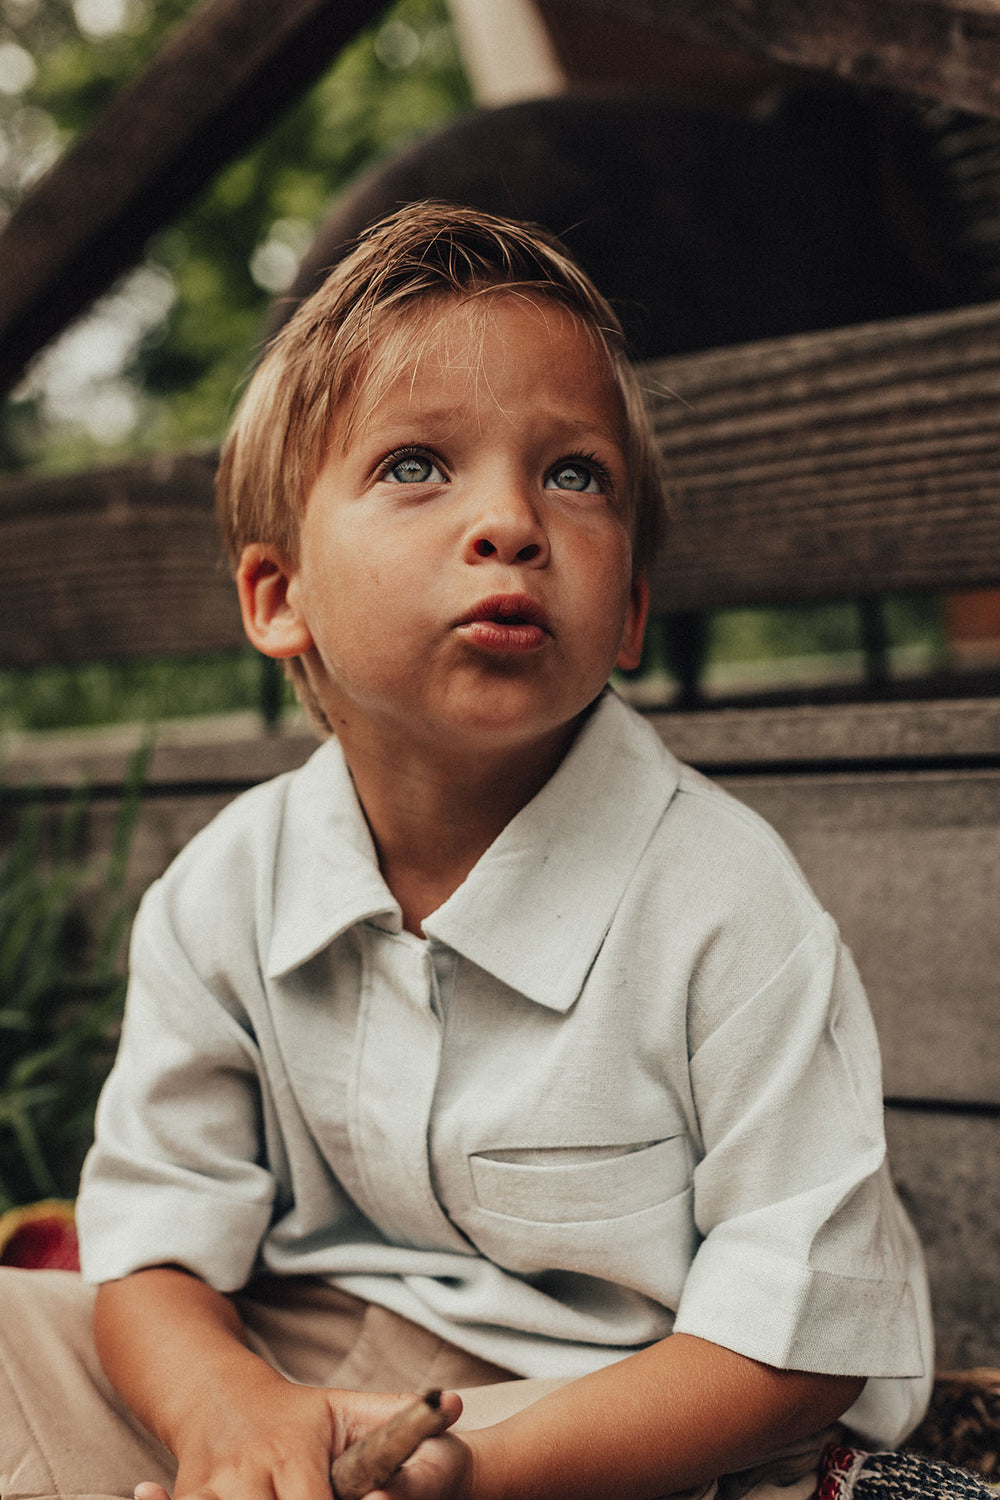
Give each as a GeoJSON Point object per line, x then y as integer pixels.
{"type": "Point", "coordinates": [590, 461]}
{"type": "Point", "coordinates": [410, 450]}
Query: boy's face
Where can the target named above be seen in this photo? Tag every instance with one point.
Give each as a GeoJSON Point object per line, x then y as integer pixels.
{"type": "Point", "coordinates": [465, 567]}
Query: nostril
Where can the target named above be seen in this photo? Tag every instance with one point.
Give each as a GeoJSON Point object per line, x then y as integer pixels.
{"type": "Point", "coordinates": [528, 553]}
{"type": "Point", "coordinates": [483, 548]}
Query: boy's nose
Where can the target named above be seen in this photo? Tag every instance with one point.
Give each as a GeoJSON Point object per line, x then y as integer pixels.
{"type": "Point", "coordinates": [483, 547]}
{"type": "Point", "coordinates": [510, 532]}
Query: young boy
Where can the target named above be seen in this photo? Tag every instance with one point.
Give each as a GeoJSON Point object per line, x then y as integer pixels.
{"type": "Point", "coordinates": [493, 1049]}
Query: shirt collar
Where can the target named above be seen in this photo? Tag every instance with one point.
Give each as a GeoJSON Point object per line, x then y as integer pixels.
{"type": "Point", "coordinates": [327, 877]}
{"type": "Point", "coordinates": [535, 909]}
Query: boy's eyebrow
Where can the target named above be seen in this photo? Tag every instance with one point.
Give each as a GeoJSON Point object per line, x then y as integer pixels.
{"type": "Point", "coordinates": [417, 416]}
{"type": "Point", "coordinates": [579, 425]}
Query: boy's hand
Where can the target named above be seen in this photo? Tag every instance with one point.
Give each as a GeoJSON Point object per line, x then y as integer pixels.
{"type": "Point", "coordinates": [368, 1466]}
{"type": "Point", "coordinates": [282, 1447]}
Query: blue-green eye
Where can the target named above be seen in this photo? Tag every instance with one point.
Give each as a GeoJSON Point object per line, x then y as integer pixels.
{"type": "Point", "coordinates": [584, 478]}
{"type": "Point", "coordinates": [413, 468]}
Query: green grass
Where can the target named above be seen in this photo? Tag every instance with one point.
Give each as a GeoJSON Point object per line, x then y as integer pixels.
{"type": "Point", "coordinates": [63, 920]}
{"type": "Point", "coordinates": [143, 692]}
{"type": "Point", "coordinates": [748, 650]}
{"type": "Point", "coordinates": [821, 629]}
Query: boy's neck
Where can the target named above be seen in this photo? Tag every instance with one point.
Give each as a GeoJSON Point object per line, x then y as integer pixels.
{"type": "Point", "coordinates": [433, 817]}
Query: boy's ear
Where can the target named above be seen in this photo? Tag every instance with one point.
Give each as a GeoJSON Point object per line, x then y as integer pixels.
{"type": "Point", "coordinates": [272, 620]}
{"type": "Point", "coordinates": [630, 653]}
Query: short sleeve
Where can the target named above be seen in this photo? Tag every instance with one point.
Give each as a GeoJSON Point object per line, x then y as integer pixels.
{"type": "Point", "coordinates": [807, 1261]}
{"type": "Point", "coordinates": [174, 1174]}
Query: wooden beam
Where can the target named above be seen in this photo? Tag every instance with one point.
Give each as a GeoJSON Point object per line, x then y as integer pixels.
{"type": "Point", "coordinates": [904, 858]}
{"type": "Point", "coordinates": [905, 861]}
{"type": "Point", "coordinates": [947, 1170]}
{"type": "Point", "coordinates": [946, 50]}
{"type": "Point", "coordinates": [213, 89]}
{"type": "Point", "coordinates": [832, 464]}
{"type": "Point", "coordinates": [124, 562]}
{"type": "Point", "coordinates": [948, 733]}
{"type": "Point", "coordinates": [815, 467]}
{"type": "Point", "coordinates": [943, 732]}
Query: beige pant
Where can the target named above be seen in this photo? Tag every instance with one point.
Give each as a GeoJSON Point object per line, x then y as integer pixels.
{"type": "Point", "coordinates": [65, 1433]}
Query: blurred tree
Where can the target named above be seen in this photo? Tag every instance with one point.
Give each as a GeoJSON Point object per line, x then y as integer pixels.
{"type": "Point", "coordinates": [155, 363]}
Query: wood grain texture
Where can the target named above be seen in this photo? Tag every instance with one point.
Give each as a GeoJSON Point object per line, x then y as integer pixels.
{"type": "Point", "coordinates": [813, 467]}
{"type": "Point", "coordinates": [228, 750]}
{"type": "Point", "coordinates": [215, 86]}
{"type": "Point", "coordinates": [832, 464]}
{"type": "Point", "coordinates": [232, 748]}
{"type": "Point", "coordinates": [907, 861]}
{"type": "Point", "coordinates": [908, 866]}
{"type": "Point", "coordinates": [806, 734]}
{"type": "Point", "coordinates": [947, 1170]}
{"type": "Point", "coordinates": [941, 49]}
{"type": "Point", "coordinates": [122, 562]}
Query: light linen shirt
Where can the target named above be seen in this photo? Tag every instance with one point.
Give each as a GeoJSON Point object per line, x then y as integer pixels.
{"type": "Point", "coordinates": [627, 1083]}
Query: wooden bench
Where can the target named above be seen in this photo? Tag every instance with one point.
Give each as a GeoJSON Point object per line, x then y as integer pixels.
{"type": "Point", "coordinates": [839, 463]}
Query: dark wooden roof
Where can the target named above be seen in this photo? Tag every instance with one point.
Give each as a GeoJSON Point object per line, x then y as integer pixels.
{"type": "Point", "coordinates": [223, 78]}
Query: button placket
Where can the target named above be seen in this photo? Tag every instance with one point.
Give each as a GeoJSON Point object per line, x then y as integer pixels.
{"type": "Point", "coordinates": [393, 1092]}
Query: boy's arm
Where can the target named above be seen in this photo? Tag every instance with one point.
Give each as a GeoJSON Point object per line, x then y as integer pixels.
{"type": "Point", "coordinates": [664, 1419]}
{"type": "Point", "coordinates": [672, 1416]}
{"type": "Point", "coordinates": [174, 1349]}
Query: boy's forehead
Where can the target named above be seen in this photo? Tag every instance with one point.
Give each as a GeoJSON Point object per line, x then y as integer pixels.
{"type": "Point", "coordinates": [412, 346]}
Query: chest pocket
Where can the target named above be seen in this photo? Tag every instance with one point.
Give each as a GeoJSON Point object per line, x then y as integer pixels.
{"type": "Point", "coordinates": [575, 1185]}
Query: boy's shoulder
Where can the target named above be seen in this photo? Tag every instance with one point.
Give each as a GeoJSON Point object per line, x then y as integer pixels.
{"type": "Point", "coordinates": [696, 821]}
{"type": "Point", "coordinates": [712, 875]}
{"type": "Point", "coordinates": [269, 862]}
{"type": "Point", "coordinates": [250, 827]}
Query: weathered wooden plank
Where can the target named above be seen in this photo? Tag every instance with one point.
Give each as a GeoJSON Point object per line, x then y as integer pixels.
{"type": "Point", "coordinates": [906, 861]}
{"type": "Point", "coordinates": [947, 1169]}
{"type": "Point", "coordinates": [917, 905]}
{"type": "Point", "coordinates": [943, 49]}
{"type": "Point", "coordinates": [163, 826]}
{"type": "Point", "coordinates": [908, 865]}
{"type": "Point", "coordinates": [233, 749]}
{"type": "Point", "coordinates": [818, 466]}
{"type": "Point", "coordinates": [836, 463]}
{"type": "Point", "coordinates": [735, 738]}
{"type": "Point", "coordinates": [216, 85]}
{"type": "Point", "coordinates": [120, 563]}
{"type": "Point", "coordinates": [230, 750]}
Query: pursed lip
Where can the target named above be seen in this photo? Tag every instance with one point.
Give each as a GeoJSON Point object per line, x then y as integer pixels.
{"type": "Point", "coordinates": [505, 625]}
{"type": "Point", "coordinates": [508, 609]}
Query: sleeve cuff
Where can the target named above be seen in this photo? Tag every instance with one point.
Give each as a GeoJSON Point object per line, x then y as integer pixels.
{"type": "Point", "coordinates": [790, 1316]}
{"type": "Point", "coordinates": [215, 1237]}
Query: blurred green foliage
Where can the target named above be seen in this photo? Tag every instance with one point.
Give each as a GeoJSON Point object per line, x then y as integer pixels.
{"type": "Point", "coordinates": [398, 79]}
{"type": "Point", "coordinates": [63, 920]}
{"type": "Point", "coordinates": [911, 622]}
{"type": "Point", "coordinates": [209, 280]}
{"type": "Point", "coordinates": [216, 268]}
{"type": "Point", "coordinates": [56, 697]}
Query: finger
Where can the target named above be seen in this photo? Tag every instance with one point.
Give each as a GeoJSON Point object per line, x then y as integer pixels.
{"type": "Point", "coordinates": [450, 1403]}
{"type": "Point", "coordinates": [360, 1411]}
{"type": "Point", "coordinates": [148, 1490]}
{"type": "Point", "coordinates": [365, 1466]}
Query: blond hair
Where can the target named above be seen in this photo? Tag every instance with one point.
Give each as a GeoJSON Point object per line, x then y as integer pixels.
{"type": "Point", "coordinates": [335, 350]}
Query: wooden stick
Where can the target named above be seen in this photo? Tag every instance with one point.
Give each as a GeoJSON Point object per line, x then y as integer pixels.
{"type": "Point", "coordinates": [367, 1464]}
